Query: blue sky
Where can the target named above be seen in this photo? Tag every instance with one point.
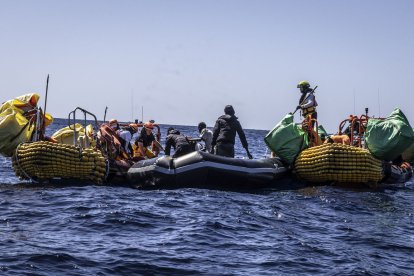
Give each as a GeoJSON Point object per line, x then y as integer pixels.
{"type": "Point", "coordinates": [185, 60]}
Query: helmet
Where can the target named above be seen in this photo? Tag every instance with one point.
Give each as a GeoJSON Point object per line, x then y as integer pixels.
{"type": "Point", "coordinates": [201, 126]}
{"type": "Point", "coordinates": [303, 84]}
{"type": "Point", "coordinates": [149, 125]}
{"type": "Point", "coordinates": [229, 110]}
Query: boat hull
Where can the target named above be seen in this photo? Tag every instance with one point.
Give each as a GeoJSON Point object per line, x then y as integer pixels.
{"type": "Point", "coordinates": [205, 170]}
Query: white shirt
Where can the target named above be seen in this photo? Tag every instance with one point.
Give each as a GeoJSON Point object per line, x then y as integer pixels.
{"type": "Point", "coordinates": [206, 135]}
{"type": "Point", "coordinates": [309, 101]}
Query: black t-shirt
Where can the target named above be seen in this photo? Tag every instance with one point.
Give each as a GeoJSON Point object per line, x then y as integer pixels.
{"type": "Point", "coordinates": [146, 139]}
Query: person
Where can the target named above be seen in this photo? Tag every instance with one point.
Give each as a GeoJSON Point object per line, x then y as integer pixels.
{"type": "Point", "coordinates": [206, 136]}
{"type": "Point", "coordinates": [126, 134]}
{"type": "Point", "coordinates": [178, 142]}
{"type": "Point", "coordinates": [113, 124]}
{"type": "Point", "coordinates": [144, 140]}
{"type": "Point", "coordinates": [307, 101]}
{"type": "Point", "coordinates": [224, 134]}
{"type": "Point", "coordinates": [339, 139]}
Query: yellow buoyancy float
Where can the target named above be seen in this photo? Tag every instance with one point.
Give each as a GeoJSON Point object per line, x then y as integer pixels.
{"type": "Point", "coordinates": [45, 160]}
{"type": "Point", "coordinates": [338, 163]}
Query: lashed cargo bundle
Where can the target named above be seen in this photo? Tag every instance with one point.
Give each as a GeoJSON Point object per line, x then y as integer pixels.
{"type": "Point", "coordinates": [46, 160]}
{"type": "Point", "coordinates": [387, 139]}
{"type": "Point", "coordinates": [338, 163]}
{"type": "Point", "coordinates": [287, 139]}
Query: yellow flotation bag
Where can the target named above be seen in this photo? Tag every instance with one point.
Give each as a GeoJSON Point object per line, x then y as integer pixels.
{"type": "Point", "coordinates": [17, 123]}
{"type": "Point", "coordinates": [65, 135]}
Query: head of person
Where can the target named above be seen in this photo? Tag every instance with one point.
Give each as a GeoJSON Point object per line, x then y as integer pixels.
{"type": "Point", "coordinates": [169, 130]}
{"type": "Point", "coordinates": [201, 126]}
{"type": "Point", "coordinates": [114, 124]}
{"type": "Point", "coordinates": [148, 127]}
{"type": "Point", "coordinates": [152, 121]}
{"type": "Point", "coordinates": [303, 86]}
{"type": "Point", "coordinates": [229, 110]}
{"type": "Point", "coordinates": [133, 128]}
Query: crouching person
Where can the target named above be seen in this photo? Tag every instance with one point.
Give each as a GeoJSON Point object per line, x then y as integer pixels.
{"type": "Point", "coordinates": [339, 139]}
{"type": "Point", "coordinates": [145, 140]}
{"type": "Point", "coordinates": [178, 141]}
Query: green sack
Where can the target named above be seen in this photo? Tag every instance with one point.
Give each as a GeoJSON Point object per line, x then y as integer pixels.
{"type": "Point", "coordinates": [322, 132]}
{"type": "Point", "coordinates": [287, 139]}
{"type": "Point", "coordinates": [408, 154]}
{"type": "Point", "coordinates": [389, 138]}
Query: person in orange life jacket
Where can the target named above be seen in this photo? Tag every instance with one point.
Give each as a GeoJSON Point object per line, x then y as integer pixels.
{"type": "Point", "coordinates": [224, 134]}
{"type": "Point", "coordinates": [124, 134]}
{"type": "Point", "coordinates": [113, 123]}
{"type": "Point", "coordinates": [307, 101]}
{"type": "Point", "coordinates": [178, 141]}
{"type": "Point", "coordinates": [146, 139]}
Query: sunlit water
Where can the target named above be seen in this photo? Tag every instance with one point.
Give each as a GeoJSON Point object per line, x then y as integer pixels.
{"type": "Point", "coordinates": [106, 230]}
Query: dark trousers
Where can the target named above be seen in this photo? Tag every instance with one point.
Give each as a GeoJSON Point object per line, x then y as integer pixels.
{"type": "Point", "coordinates": [224, 150]}
{"type": "Point", "coordinates": [182, 150]}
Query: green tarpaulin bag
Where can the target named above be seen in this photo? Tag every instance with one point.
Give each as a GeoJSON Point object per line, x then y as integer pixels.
{"type": "Point", "coordinates": [322, 132]}
{"type": "Point", "coordinates": [389, 138]}
{"type": "Point", "coordinates": [287, 139]}
{"type": "Point", "coordinates": [408, 154]}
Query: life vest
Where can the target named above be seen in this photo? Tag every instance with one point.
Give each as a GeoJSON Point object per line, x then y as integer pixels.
{"type": "Point", "coordinates": [311, 109]}
{"type": "Point", "coordinates": [111, 143]}
{"type": "Point", "coordinates": [137, 154]}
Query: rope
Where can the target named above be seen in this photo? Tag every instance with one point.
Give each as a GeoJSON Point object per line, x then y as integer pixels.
{"type": "Point", "coordinates": [20, 168]}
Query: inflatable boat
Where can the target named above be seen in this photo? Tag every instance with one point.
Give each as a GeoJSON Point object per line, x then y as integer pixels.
{"type": "Point", "coordinates": [204, 170]}
{"type": "Point", "coordinates": [394, 174]}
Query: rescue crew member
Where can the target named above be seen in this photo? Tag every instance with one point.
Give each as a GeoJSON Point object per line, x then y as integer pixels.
{"type": "Point", "coordinates": [206, 136]}
{"type": "Point", "coordinates": [307, 101]}
{"type": "Point", "coordinates": [224, 134]}
{"type": "Point", "coordinates": [178, 141]}
{"type": "Point", "coordinates": [145, 140]}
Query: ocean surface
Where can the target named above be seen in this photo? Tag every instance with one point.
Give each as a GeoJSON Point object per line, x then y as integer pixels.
{"type": "Point", "coordinates": [107, 230]}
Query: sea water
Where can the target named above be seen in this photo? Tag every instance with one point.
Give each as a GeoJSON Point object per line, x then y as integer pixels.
{"type": "Point", "coordinates": [107, 230]}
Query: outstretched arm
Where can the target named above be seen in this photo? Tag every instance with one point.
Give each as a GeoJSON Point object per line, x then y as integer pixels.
{"type": "Point", "coordinates": [167, 146]}
{"type": "Point", "coordinates": [243, 139]}
{"type": "Point", "coordinates": [242, 136]}
{"type": "Point", "coordinates": [158, 145]}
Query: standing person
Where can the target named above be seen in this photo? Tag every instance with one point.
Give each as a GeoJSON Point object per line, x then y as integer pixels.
{"type": "Point", "coordinates": [206, 136]}
{"type": "Point", "coordinates": [307, 101]}
{"type": "Point", "coordinates": [178, 142]}
{"type": "Point", "coordinates": [144, 141]}
{"type": "Point", "coordinates": [224, 134]}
